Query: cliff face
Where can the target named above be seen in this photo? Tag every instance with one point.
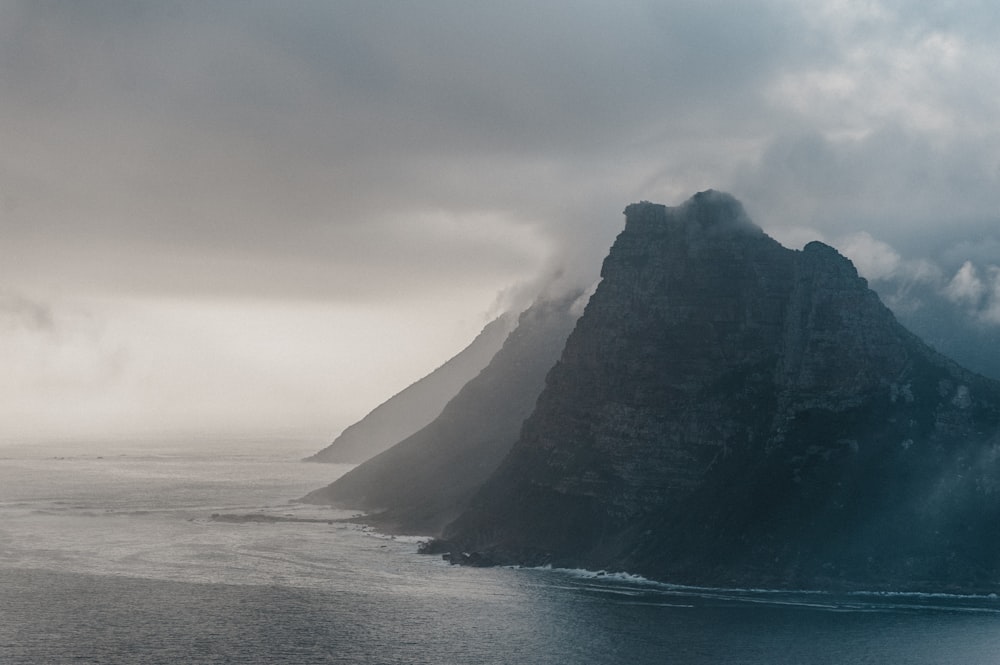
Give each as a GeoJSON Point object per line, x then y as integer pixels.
{"type": "Point", "coordinates": [731, 412]}
{"type": "Point", "coordinates": [416, 406]}
{"type": "Point", "coordinates": [426, 480]}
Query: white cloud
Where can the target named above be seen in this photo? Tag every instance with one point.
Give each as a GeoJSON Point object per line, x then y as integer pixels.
{"type": "Point", "coordinates": [886, 64]}
{"type": "Point", "coordinates": [880, 262]}
{"type": "Point", "coordinates": [966, 287]}
{"type": "Point", "coordinates": [977, 291]}
{"type": "Point", "coordinates": [873, 258]}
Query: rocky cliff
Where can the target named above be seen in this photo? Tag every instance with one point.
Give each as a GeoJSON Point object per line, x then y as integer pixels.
{"type": "Point", "coordinates": [731, 412]}
{"type": "Point", "coordinates": [417, 405]}
{"type": "Point", "coordinates": [426, 480]}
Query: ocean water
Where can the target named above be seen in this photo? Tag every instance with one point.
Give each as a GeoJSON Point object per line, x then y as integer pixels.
{"type": "Point", "coordinates": [110, 554]}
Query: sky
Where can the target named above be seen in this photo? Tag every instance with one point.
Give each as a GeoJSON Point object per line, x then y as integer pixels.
{"type": "Point", "coordinates": [239, 216]}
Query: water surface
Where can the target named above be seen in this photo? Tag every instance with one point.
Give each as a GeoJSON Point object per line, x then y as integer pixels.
{"type": "Point", "coordinates": [113, 557]}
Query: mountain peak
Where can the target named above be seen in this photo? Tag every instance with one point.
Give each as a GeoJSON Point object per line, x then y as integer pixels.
{"type": "Point", "coordinates": [819, 252]}
{"type": "Point", "coordinates": [728, 411]}
{"type": "Point", "coordinates": [706, 215]}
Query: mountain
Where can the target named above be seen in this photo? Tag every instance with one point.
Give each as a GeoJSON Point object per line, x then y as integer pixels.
{"type": "Point", "coordinates": [729, 412]}
{"type": "Point", "coordinates": [426, 480]}
{"type": "Point", "coordinates": [416, 406]}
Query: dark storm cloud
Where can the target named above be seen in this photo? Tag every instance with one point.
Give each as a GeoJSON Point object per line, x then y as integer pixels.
{"type": "Point", "coordinates": [357, 149]}
{"type": "Point", "coordinates": [314, 131]}
{"type": "Point", "coordinates": [908, 186]}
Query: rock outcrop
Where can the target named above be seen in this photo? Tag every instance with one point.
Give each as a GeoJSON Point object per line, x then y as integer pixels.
{"type": "Point", "coordinates": [417, 405]}
{"type": "Point", "coordinates": [731, 412]}
{"type": "Point", "coordinates": [426, 480]}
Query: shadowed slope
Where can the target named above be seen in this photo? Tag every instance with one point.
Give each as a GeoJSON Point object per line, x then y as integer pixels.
{"type": "Point", "coordinates": [426, 480]}
{"type": "Point", "coordinates": [417, 405]}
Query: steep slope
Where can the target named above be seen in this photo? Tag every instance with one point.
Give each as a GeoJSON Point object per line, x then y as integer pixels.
{"type": "Point", "coordinates": [417, 405]}
{"type": "Point", "coordinates": [427, 479]}
{"type": "Point", "coordinates": [731, 412]}
{"type": "Point", "coordinates": [946, 327]}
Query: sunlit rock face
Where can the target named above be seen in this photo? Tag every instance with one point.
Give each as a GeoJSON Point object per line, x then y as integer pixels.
{"type": "Point", "coordinates": [731, 412]}
{"type": "Point", "coordinates": [427, 479]}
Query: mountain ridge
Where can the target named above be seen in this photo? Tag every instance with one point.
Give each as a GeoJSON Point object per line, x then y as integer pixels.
{"type": "Point", "coordinates": [418, 404]}
{"type": "Point", "coordinates": [728, 411]}
{"type": "Point", "coordinates": [424, 481]}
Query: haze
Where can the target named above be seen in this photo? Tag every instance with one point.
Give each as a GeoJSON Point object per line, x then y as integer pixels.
{"type": "Point", "coordinates": [247, 216]}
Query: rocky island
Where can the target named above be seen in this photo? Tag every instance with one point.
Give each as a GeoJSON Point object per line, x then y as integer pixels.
{"type": "Point", "coordinates": [730, 412]}
{"type": "Point", "coordinates": [725, 412]}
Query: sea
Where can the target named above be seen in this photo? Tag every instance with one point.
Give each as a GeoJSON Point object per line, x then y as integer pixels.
{"type": "Point", "coordinates": [194, 550]}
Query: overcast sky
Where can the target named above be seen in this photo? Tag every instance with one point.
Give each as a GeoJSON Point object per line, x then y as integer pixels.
{"type": "Point", "coordinates": [239, 216]}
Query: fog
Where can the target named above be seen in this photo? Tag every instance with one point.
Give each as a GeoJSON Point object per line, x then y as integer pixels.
{"type": "Point", "coordinates": [236, 216]}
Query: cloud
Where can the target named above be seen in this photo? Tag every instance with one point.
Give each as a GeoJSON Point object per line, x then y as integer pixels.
{"type": "Point", "coordinates": [873, 258]}
{"type": "Point", "coordinates": [908, 284]}
{"type": "Point", "coordinates": [138, 367]}
{"type": "Point", "coordinates": [989, 307]}
{"type": "Point", "coordinates": [19, 312]}
{"type": "Point", "coordinates": [58, 359]}
{"type": "Point", "coordinates": [318, 133]}
{"type": "Point", "coordinates": [411, 156]}
{"type": "Point", "coordinates": [991, 311]}
{"type": "Point", "coordinates": [893, 182]}
{"type": "Point", "coordinates": [238, 136]}
{"type": "Point", "coordinates": [977, 291]}
{"type": "Point", "coordinates": [881, 263]}
{"type": "Point", "coordinates": [966, 287]}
